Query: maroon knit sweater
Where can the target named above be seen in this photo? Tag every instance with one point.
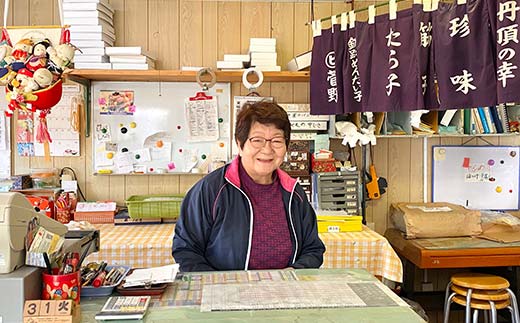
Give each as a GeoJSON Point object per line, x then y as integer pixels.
{"type": "Point", "coordinates": [271, 246]}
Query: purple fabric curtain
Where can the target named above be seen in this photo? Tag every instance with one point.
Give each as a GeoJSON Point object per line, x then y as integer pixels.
{"type": "Point", "coordinates": [352, 92]}
{"type": "Point", "coordinates": [326, 94]}
{"type": "Point", "coordinates": [507, 49]}
{"type": "Point", "coordinates": [422, 26]}
{"type": "Point", "coordinates": [365, 43]}
{"type": "Point", "coordinates": [463, 55]}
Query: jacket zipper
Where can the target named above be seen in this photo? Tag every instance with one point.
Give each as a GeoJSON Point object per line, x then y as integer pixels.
{"type": "Point", "coordinates": [250, 224]}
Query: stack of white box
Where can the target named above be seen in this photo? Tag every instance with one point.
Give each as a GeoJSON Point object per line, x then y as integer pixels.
{"type": "Point", "coordinates": [130, 58]}
{"type": "Point", "coordinates": [91, 30]}
{"type": "Point", "coordinates": [263, 54]}
{"type": "Point", "coordinates": [234, 62]}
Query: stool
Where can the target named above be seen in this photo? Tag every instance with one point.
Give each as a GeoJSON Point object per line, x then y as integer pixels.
{"type": "Point", "coordinates": [480, 292]}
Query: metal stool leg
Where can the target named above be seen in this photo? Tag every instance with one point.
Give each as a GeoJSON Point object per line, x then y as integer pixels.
{"type": "Point", "coordinates": [514, 305]}
{"type": "Point", "coordinates": [447, 305]}
{"type": "Point", "coordinates": [475, 316]}
{"type": "Point", "coordinates": [493, 312]}
{"type": "Point", "coordinates": [447, 293]}
{"type": "Point", "coordinates": [467, 317]}
{"type": "Point", "coordinates": [512, 314]}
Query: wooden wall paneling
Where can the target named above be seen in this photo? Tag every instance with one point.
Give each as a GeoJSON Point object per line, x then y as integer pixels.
{"type": "Point", "coordinates": [282, 29]}
{"type": "Point", "coordinates": [136, 23]}
{"type": "Point", "coordinates": [417, 146]}
{"type": "Point", "coordinates": [136, 185]}
{"type": "Point", "coordinates": [187, 181]}
{"type": "Point", "coordinates": [209, 34]}
{"type": "Point", "coordinates": [190, 37]}
{"type": "Point", "coordinates": [117, 188]}
{"type": "Point", "coordinates": [379, 207]}
{"type": "Point", "coordinates": [119, 21]}
{"type": "Point", "coordinates": [229, 29]}
{"type": "Point", "coordinates": [167, 184]}
{"type": "Point", "coordinates": [432, 141]}
{"type": "Point", "coordinates": [512, 140]}
{"type": "Point", "coordinates": [282, 92]}
{"type": "Point", "coordinates": [20, 12]}
{"type": "Point", "coordinates": [398, 170]}
{"type": "Point", "coordinates": [41, 12]}
{"type": "Point", "coordinates": [302, 42]}
{"type": "Point", "coordinates": [255, 22]}
{"type": "Point", "coordinates": [163, 33]}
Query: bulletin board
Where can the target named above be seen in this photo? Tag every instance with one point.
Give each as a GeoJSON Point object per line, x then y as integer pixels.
{"type": "Point", "coordinates": [153, 127]}
{"type": "Point", "coordinates": [479, 177]}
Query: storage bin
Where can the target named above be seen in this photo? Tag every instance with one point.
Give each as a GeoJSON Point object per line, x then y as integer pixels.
{"type": "Point", "coordinates": [91, 291]}
{"type": "Point", "coordinates": [154, 206]}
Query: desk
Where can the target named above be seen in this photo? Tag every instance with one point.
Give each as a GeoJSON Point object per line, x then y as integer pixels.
{"type": "Point", "coordinates": [457, 252]}
{"type": "Point", "coordinates": [151, 245]}
{"type": "Point", "coordinates": [160, 310]}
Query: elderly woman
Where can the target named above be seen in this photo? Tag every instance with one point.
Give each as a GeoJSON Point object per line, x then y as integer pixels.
{"type": "Point", "coordinates": [249, 214]}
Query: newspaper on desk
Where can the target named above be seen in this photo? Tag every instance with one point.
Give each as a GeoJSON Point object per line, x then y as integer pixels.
{"type": "Point", "coordinates": [151, 276]}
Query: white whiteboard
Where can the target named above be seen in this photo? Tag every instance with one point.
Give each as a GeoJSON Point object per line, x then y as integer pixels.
{"type": "Point", "coordinates": [158, 116]}
{"type": "Point", "coordinates": [479, 177]}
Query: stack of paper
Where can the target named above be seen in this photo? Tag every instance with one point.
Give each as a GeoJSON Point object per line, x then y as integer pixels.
{"type": "Point", "coordinates": [151, 276]}
{"type": "Point", "coordinates": [91, 29]}
{"type": "Point", "coordinates": [130, 58]}
{"type": "Point", "coordinates": [263, 54]}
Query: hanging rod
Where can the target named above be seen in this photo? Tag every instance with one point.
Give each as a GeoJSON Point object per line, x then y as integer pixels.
{"type": "Point", "coordinates": [356, 11]}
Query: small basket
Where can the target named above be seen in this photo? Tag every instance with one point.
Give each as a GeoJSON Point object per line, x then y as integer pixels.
{"type": "Point", "coordinates": [154, 206]}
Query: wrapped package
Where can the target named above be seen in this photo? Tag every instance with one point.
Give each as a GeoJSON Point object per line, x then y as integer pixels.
{"type": "Point", "coordinates": [435, 220]}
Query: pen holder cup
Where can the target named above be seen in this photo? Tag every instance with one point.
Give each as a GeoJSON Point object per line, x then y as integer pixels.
{"type": "Point", "coordinates": [63, 216]}
{"type": "Point", "coordinates": [66, 286]}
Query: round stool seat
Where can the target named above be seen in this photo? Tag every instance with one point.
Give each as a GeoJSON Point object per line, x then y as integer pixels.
{"type": "Point", "coordinates": [485, 295]}
{"type": "Point", "coordinates": [479, 281]}
{"type": "Point", "coordinates": [479, 304]}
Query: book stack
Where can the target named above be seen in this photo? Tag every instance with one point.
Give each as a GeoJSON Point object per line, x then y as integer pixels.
{"type": "Point", "coordinates": [263, 54]}
{"type": "Point", "coordinates": [91, 30]}
{"type": "Point", "coordinates": [129, 58]}
{"type": "Point", "coordinates": [234, 62]}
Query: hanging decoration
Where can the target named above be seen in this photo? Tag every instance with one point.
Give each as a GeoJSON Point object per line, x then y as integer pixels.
{"type": "Point", "coordinates": [32, 69]}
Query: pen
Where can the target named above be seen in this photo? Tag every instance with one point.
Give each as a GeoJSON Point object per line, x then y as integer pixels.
{"type": "Point", "coordinates": [47, 263]}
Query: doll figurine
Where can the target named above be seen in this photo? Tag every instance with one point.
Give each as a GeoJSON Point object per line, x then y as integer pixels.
{"type": "Point", "coordinates": [39, 56]}
{"type": "Point", "coordinates": [6, 76]}
{"type": "Point", "coordinates": [60, 57]}
{"type": "Point", "coordinates": [23, 81]}
{"type": "Point", "coordinates": [43, 77]}
{"type": "Point", "coordinates": [5, 51]}
{"type": "Point", "coordinates": [20, 53]}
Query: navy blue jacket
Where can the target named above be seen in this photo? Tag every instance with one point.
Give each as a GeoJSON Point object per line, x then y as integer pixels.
{"type": "Point", "coordinates": [215, 227]}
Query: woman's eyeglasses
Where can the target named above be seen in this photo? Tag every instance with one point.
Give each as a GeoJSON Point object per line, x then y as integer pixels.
{"type": "Point", "coordinates": [259, 142]}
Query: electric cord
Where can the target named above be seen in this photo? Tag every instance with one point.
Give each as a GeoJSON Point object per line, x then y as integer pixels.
{"type": "Point", "coordinates": [75, 178]}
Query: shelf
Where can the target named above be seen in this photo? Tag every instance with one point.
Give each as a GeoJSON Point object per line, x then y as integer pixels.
{"type": "Point", "coordinates": [179, 76]}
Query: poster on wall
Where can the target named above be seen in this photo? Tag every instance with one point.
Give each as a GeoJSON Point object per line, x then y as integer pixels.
{"type": "Point", "coordinates": [116, 103]}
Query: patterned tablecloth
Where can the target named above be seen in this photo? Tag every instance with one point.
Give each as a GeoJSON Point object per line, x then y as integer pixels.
{"type": "Point", "coordinates": [151, 245]}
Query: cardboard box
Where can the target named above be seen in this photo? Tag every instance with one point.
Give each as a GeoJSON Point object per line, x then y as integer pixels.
{"type": "Point", "coordinates": [300, 62]}
{"type": "Point", "coordinates": [336, 223]}
{"type": "Point", "coordinates": [435, 220]}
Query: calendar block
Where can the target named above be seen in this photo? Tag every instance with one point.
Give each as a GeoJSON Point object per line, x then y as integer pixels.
{"type": "Point", "coordinates": [55, 311]}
